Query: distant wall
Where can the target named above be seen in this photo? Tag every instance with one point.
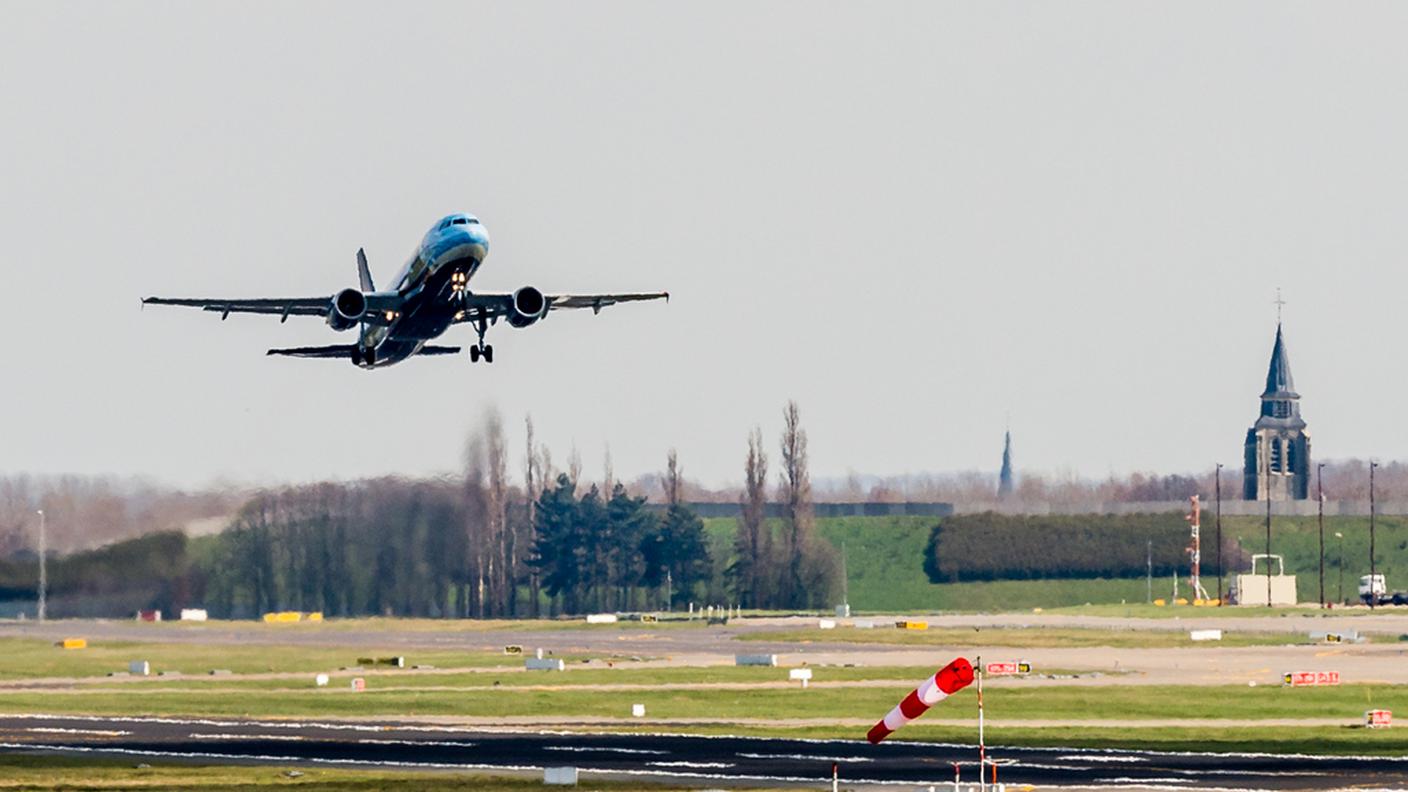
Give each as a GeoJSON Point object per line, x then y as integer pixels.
{"type": "Point", "coordinates": [832, 509]}
{"type": "Point", "coordinates": [1235, 508]}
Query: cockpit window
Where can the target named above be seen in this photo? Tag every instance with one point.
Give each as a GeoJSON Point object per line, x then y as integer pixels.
{"type": "Point", "coordinates": [458, 221]}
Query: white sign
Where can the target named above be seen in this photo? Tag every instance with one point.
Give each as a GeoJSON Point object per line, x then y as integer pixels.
{"type": "Point", "coordinates": [1206, 635]}
{"type": "Point", "coordinates": [194, 614]}
{"type": "Point", "coordinates": [638, 710]}
{"type": "Point", "coordinates": [826, 624]}
{"type": "Point", "coordinates": [797, 674]}
{"type": "Point", "coordinates": [321, 680]}
{"type": "Point", "coordinates": [601, 618]}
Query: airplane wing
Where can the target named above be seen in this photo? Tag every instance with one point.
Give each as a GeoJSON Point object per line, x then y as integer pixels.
{"type": "Point", "coordinates": [278, 306]}
{"type": "Point", "coordinates": [496, 305]}
{"type": "Point", "coordinates": [283, 307]}
{"type": "Point", "coordinates": [598, 301]}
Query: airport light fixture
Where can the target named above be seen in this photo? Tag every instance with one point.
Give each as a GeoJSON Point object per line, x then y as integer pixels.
{"type": "Point", "coordinates": [1372, 595]}
{"type": "Point", "coordinates": [43, 573]}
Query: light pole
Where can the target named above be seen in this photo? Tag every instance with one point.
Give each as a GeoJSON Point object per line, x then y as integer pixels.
{"type": "Point", "coordinates": [1340, 563]}
{"type": "Point", "coordinates": [1372, 595]}
{"type": "Point", "coordinates": [1268, 521]}
{"type": "Point", "coordinates": [1217, 485]}
{"type": "Point", "coordinates": [1320, 490]}
{"type": "Point", "coordinates": [43, 572]}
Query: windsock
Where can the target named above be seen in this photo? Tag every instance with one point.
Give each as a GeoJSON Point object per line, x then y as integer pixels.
{"type": "Point", "coordinates": [945, 682]}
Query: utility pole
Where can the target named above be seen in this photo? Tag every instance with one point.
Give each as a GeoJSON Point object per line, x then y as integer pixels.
{"type": "Point", "coordinates": [1320, 495]}
{"type": "Point", "coordinates": [1372, 595]}
{"type": "Point", "coordinates": [1340, 564]}
{"type": "Point", "coordinates": [1268, 522]}
{"type": "Point", "coordinates": [1218, 486]}
{"type": "Point", "coordinates": [43, 572]}
{"type": "Point", "coordinates": [1149, 567]}
{"type": "Point", "coordinates": [669, 586]}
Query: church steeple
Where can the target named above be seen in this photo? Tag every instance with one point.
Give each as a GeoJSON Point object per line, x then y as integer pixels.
{"type": "Point", "coordinates": [1004, 479]}
{"type": "Point", "coordinates": [1277, 449]}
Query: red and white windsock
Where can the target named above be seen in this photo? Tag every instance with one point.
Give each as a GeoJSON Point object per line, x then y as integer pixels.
{"type": "Point", "coordinates": [945, 682]}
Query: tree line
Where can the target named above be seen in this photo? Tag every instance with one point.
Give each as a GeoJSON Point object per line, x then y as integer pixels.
{"type": "Point", "coordinates": [477, 546]}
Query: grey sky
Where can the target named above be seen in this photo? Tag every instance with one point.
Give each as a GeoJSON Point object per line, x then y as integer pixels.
{"type": "Point", "coordinates": [914, 218]}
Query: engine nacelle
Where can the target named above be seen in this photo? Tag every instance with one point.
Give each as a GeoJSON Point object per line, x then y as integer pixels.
{"type": "Point", "coordinates": [347, 309]}
{"type": "Point", "coordinates": [529, 305]}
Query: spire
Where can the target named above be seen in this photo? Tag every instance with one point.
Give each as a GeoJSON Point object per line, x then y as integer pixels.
{"type": "Point", "coordinates": [1279, 384]}
{"type": "Point", "coordinates": [1004, 479]}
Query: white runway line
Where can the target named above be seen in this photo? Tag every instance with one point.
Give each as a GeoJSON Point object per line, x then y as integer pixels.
{"type": "Point", "coordinates": [231, 736]}
{"type": "Point", "coordinates": [805, 757]}
{"type": "Point", "coordinates": [94, 732]}
{"type": "Point", "coordinates": [586, 749]}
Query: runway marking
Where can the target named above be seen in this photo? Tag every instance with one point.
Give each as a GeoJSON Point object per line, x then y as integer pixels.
{"type": "Point", "coordinates": [1151, 784]}
{"type": "Point", "coordinates": [807, 757]}
{"type": "Point", "coordinates": [702, 765]}
{"type": "Point", "coordinates": [94, 732]}
{"type": "Point", "coordinates": [585, 748]}
{"type": "Point", "coordinates": [230, 736]}
{"type": "Point", "coordinates": [1084, 758]}
{"type": "Point", "coordinates": [441, 743]}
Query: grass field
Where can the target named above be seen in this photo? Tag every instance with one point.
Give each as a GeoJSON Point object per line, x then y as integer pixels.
{"type": "Point", "coordinates": [1046, 637]}
{"type": "Point", "coordinates": [1062, 703]}
{"type": "Point", "coordinates": [23, 658]}
{"type": "Point", "coordinates": [54, 772]}
{"type": "Point", "coordinates": [884, 559]}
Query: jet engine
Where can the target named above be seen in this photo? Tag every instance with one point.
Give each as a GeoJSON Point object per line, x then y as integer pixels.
{"type": "Point", "coordinates": [529, 305]}
{"type": "Point", "coordinates": [348, 307]}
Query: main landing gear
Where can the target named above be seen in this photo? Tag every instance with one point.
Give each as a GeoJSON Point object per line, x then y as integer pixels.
{"type": "Point", "coordinates": [481, 351]}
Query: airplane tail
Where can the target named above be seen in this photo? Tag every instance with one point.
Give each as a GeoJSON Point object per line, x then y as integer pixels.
{"type": "Point", "coordinates": [338, 351]}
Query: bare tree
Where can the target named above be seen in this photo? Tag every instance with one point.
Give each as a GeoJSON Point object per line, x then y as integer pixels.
{"type": "Point", "coordinates": [608, 475]}
{"type": "Point", "coordinates": [531, 485]}
{"type": "Point", "coordinates": [674, 480]}
{"type": "Point", "coordinates": [503, 562]}
{"type": "Point", "coordinates": [753, 542]}
{"type": "Point", "coordinates": [797, 504]}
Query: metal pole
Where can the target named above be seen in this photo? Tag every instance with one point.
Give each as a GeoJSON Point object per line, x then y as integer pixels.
{"type": "Point", "coordinates": [1372, 596]}
{"type": "Point", "coordinates": [1320, 495]}
{"type": "Point", "coordinates": [1219, 533]}
{"type": "Point", "coordinates": [43, 571]}
{"type": "Point", "coordinates": [1340, 563]}
{"type": "Point", "coordinates": [1268, 523]}
{"type": "Point", "coordinates": [1149, 567]}
{"type": "Point", "coordinates": [982, 744]}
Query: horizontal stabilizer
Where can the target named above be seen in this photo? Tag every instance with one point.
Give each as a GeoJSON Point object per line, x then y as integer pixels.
{"type": "Point", "coordinates": [338, 351]}
{"type": "Point", "coordinates": [438, 350]}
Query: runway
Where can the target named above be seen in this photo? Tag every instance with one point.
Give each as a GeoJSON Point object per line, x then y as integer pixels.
{"type": "Point", "coordinates": [692, 760]}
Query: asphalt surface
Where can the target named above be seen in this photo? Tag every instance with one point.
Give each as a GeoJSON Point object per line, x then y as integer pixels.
{"type": "Point", "coordinates": [692, 760]}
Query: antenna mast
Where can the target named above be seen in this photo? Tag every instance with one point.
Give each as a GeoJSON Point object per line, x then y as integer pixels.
{"type": "Point", "coordinates": [1195, 551]}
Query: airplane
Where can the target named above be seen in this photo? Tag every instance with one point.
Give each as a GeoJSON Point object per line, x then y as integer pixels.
{"type": "Point", "coordinates": [431, 294]}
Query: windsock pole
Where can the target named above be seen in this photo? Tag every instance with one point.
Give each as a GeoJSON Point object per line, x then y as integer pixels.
{"type": "Point", "coordinates": [982, 745]}
{"type": "Point", "coordinates": [945, 682]}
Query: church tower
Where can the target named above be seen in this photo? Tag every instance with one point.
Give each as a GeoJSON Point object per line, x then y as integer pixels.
{"type": "Point", "coordinates": [1277, 451]}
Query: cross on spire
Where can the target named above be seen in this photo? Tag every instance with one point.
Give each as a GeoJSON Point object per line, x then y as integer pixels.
{"type": "Point", "coordinates": [1279, 302]}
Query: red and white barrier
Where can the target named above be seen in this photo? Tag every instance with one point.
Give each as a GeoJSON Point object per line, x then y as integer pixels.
{"type": "Point", "coordinates": [945, 682]}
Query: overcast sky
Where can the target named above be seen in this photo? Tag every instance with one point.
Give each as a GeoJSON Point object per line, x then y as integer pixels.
{"type": "Point", "coordinates": [915, 219]}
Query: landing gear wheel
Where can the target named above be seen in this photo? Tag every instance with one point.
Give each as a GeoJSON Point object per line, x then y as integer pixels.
{"type": "Point", "coordinates": [488, 354]}
{"type": "Point", "coordinates": [474, 354]}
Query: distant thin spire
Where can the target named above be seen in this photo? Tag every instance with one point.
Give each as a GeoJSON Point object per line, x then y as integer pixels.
{"type": "Point", "coordinates": [1004, 479]}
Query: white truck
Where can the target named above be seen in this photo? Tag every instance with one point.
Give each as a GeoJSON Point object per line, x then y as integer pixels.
{"type": "Point", "coordinates": [1373, 590]}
